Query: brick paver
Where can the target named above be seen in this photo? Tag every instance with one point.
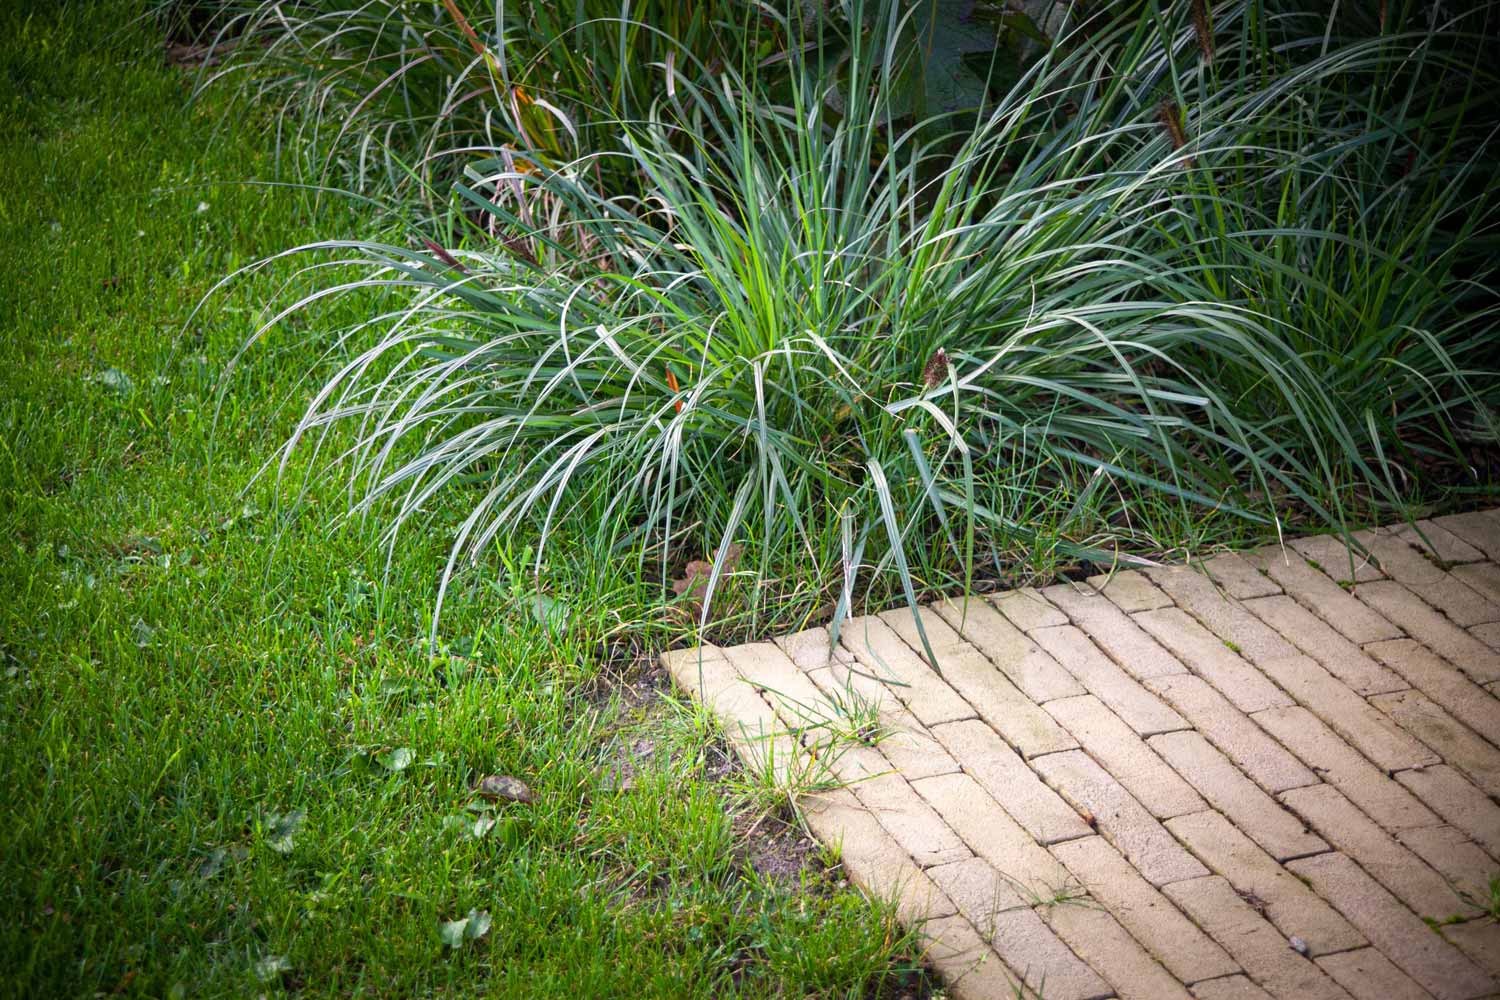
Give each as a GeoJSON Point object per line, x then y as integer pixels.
{"type": "Point", "coordinates": [1401, 936]}
{"type": "Point", "coordinates": [1480, 529]}
{"type": "Point", "coordinates": [1330, 555]}
{"type": "Point", "coordinates": [1459, 745]}
{"type": "Point", "coordinates": [1424, 577]}
{"type": "Point", "coordinates": [1458, 802]}
{"type": "Point", "coordinates": [1434, 540]}
{"type": "Point", "coordinates": [1139, 708]}
{"type": "Point", "coordinates": [1027, 609]}
{"type": "Point", "coordinates": [1443, 683]}
{"type": "Point", "coordinates": [1287, 903]}
{"type": "Point", "coordinates": [1463, 864]}
{"type": "Point", "coordinates": [1478, 939]}
{"type": "Point", "coordinates": [1124, 821]}
{"type": "Point", "coordinates": [1240, 578]}
{"type": "Point", "coordinates": [1000, 703]}
{"type": "Point", "coordinates": [1338, 763]}
{"type": "Point", "coordinates": [1145, 775]}
{"type": "Point", "coordinates": [992, 834]}
{"type": "Point", "coordinates": [1322, 596]}
{"type": "Point", "coordinates": [1276, 830]}
{"type": "Point", "coordinates": [1229, 988]}
{"type": "Point", "coordinates": [1098, 939]}
{"type": "Point", "coordinates": [1149, 917]}
{"type": "Point", "coordinates": [1251, 777]}
{"type": "Point", "coordinates": [1341, 657]}
{"type": "Point", "coordinates": [1259, 948]}
{"type": "Point", "coordinates": [1126, 642]}
{"type": "Point", "coordinates": [1130, 590]}
{"type": "Point", "coordinates": [1368, 975]}
{"type": "Point", "coordinates": [1215, 660]}
{"type": "Point", "coordinates": [1433, 630]}
{"type": "Point", "coordinates": [1006, 777]}
{"type": "Point", "coordinates": [1245, 743]}
{"type": "Point", "coordinates": [1393, 865]}
{"type": "Point", "coordinates": [1014, 654]}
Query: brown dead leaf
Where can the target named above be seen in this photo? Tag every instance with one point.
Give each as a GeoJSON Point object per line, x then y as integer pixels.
{"type": "Point", "coordinates": [692, 587]}
{"type": "Point", "coordinates": [504, 787]}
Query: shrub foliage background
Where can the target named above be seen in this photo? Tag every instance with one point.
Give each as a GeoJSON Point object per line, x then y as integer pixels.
{"type": "Point", "coordinates": [789, 287]}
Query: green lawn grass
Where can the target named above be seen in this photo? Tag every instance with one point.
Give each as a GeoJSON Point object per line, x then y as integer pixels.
{"type": "Point", "coordinates": [201, 694]}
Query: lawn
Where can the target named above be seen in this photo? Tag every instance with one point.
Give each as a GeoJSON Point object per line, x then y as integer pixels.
{"type": "Point", "coordinates": [233, 765]}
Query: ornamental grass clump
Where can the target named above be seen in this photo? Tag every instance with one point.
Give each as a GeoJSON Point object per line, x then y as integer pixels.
{"type": "Point", "coordinates": [873, 356]}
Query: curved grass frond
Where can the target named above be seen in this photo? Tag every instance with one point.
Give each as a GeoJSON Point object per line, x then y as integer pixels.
{"type": "Point", "coordinates": [1232, 319]}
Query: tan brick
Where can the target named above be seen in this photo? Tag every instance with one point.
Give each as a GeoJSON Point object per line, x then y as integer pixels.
{"type": "Point", "coordinates": [1395, 930]}
{"type": "Point", "coordinates": [1443, 683]}
{"type": "Point", "coordinates": [802, 706]}
{"type": "Point", "coordinates": [1014, 716]}
{"type": "Point", "coordinates": [1369, 975]}
{"type": "Point", "coordinates": [1042, 961]}
{"type": "Point", "coordinates": [1123, 754]}
{"type": "Point", "coordinates": [795, 699]}
{"type": "Point", "coordinates": [905, 743]}
{"type": "Point", "coordinates": [1459, 745]}
{"type": "Point", "coordinates": [1137, 707]}
{"type": "Point", "coordinates": [1289, 904]}
{"type": "Point", "coordinates": [1442, 590]}
{"type": "Point", "coordinates": [1326, 599]}
{"type": "Point", "coordinates": [1317, 639]}
{"type": "Point", "coordinates": [1002, 773]}
{"type": "Point", "coordinates": [1452, 854]}
{"type": "Point", "coordinates": [1488, 634]}
{"type": "Point", "coordinates": [1479, 528]}
{"type": "Point", "coordinates": [1099, 940]}
{"type": "Point", "coordinates": [1377, 852]}
{"type": "Point", "coordinates": [1229, 988]}
{"type": "Point", "coordinates": [1120, 818]}
{"type": "Point", "coordinates": [1239, 578]}
{"type": "Point", "coordinates": [1150, 918]}
{"type": "Point", "coordinates": [1130, 591]}
{"type": "Point", "coordinates": [1437, 633]}
{"type": "Point", "coordinates": [1432, 539]}
{"type": "Point", "coordinates": [1458, 802]}
{"type": "Point", "coordinates": [812, 649]}
{"type": "Point", "coordinates": [1208, 657]}
{"type": "Point", "coordinates": [1027, 609]}
{"type": "Point", "coordinates": [1112, 629]}
{"type": "Point", "coordinates": [993, 835]}
{"type": "Point", "coordinates": [684, 665]}
{"type": "Point", "coordinates": [1381, 798]}
{"type": "Point", "coordinates": [1483, 578]}
{"type": "Point", "coordinates": [871, 857]}
{"type": "Point", "coordinates": [1257, 946]}
{"type": "Point", "coordinates": [1276, 830]}
{"type": "Point", "coordinates": [1479, 940]}
{"type": "Point", "coordinates": [1349, 715]}
{"type": "Point", "coordinates": [1012, 652]}
{"type": "Point", "coordinates": [750, 725]}
{"type": "Point", "coordinates": [882, 654]}
{"type": "Point", "coordinates": [977, 889]}
{"type": "Point", "coordinates": [909, 820]}
{"type": "Point", "coordinates": [965, 960]}
{"type": "Point", "coordinates": [1225, 618]}
{"type": "Point", "coordinates": [1241, 740]}
{"type": "Point", "coordinates": [1332, 556]}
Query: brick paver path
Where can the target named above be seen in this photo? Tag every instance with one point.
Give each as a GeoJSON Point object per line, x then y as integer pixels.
{"type": "Point", "coordinates": [1259, 777]}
